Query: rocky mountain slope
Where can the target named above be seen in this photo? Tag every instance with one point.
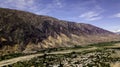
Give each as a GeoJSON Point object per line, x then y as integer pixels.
{"type": "Point", "coordinates": [24, 31]}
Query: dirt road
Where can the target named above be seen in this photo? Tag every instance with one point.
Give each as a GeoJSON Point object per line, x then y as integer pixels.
{"type": "Point", "coordinates": [28, 57]}
{"type": "Point", "coordinates": [25, 58]}
{"type": "Point", "coordinates": [14, 60]}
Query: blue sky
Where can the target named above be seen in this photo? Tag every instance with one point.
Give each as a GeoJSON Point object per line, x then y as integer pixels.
{"type": "Point", "coordinates": [101, 13]}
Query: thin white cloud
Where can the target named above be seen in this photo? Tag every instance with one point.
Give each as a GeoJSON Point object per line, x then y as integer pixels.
{"type": "Point", "coordinates": [18, 4]}
{"type": "Point", "coordinates": [55, 4]}
{"type": "Point", "coordinates": [95, 18]}
{"type": "Point", "coordinates": [32, 5]}
{"type": "Point", "coordinates": [92, 13]}
{"type": "Point", "coordinates": [117, 15]}
{"type": "Point", "coordinates": [47, 9]}
{"type": "Point", "coordinates": [91, 16]}
{"type": "Point", "coordinates": [58, 3]}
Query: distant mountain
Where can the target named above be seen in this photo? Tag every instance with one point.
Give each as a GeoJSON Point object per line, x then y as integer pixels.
{"type": "Point", "coordinates": [117, 31]}
{"type": "Point", "coordinates": [24, 31]}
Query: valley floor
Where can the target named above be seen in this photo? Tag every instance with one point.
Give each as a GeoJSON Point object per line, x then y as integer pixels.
{"type": "Point", "coordinates": [95, 55]}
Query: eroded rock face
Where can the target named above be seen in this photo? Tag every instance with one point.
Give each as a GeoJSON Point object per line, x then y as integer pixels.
{"type": "Point", "coordinates": [24, 28]}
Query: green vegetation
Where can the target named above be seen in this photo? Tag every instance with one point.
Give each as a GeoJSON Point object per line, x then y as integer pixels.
{"type": "Point", "coordinates": [9, 56]}
{"type": "Point", "coordinates": [99, 57]}
{"type": "Point", "coordinates": [104, 44]}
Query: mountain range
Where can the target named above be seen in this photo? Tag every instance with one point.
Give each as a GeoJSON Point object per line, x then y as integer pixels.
{"type": "Point", "coordinates": [22, 31]}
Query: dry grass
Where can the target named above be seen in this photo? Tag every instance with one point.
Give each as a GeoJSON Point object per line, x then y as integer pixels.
{"type": "Point", "coordinates": [117, 64]}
